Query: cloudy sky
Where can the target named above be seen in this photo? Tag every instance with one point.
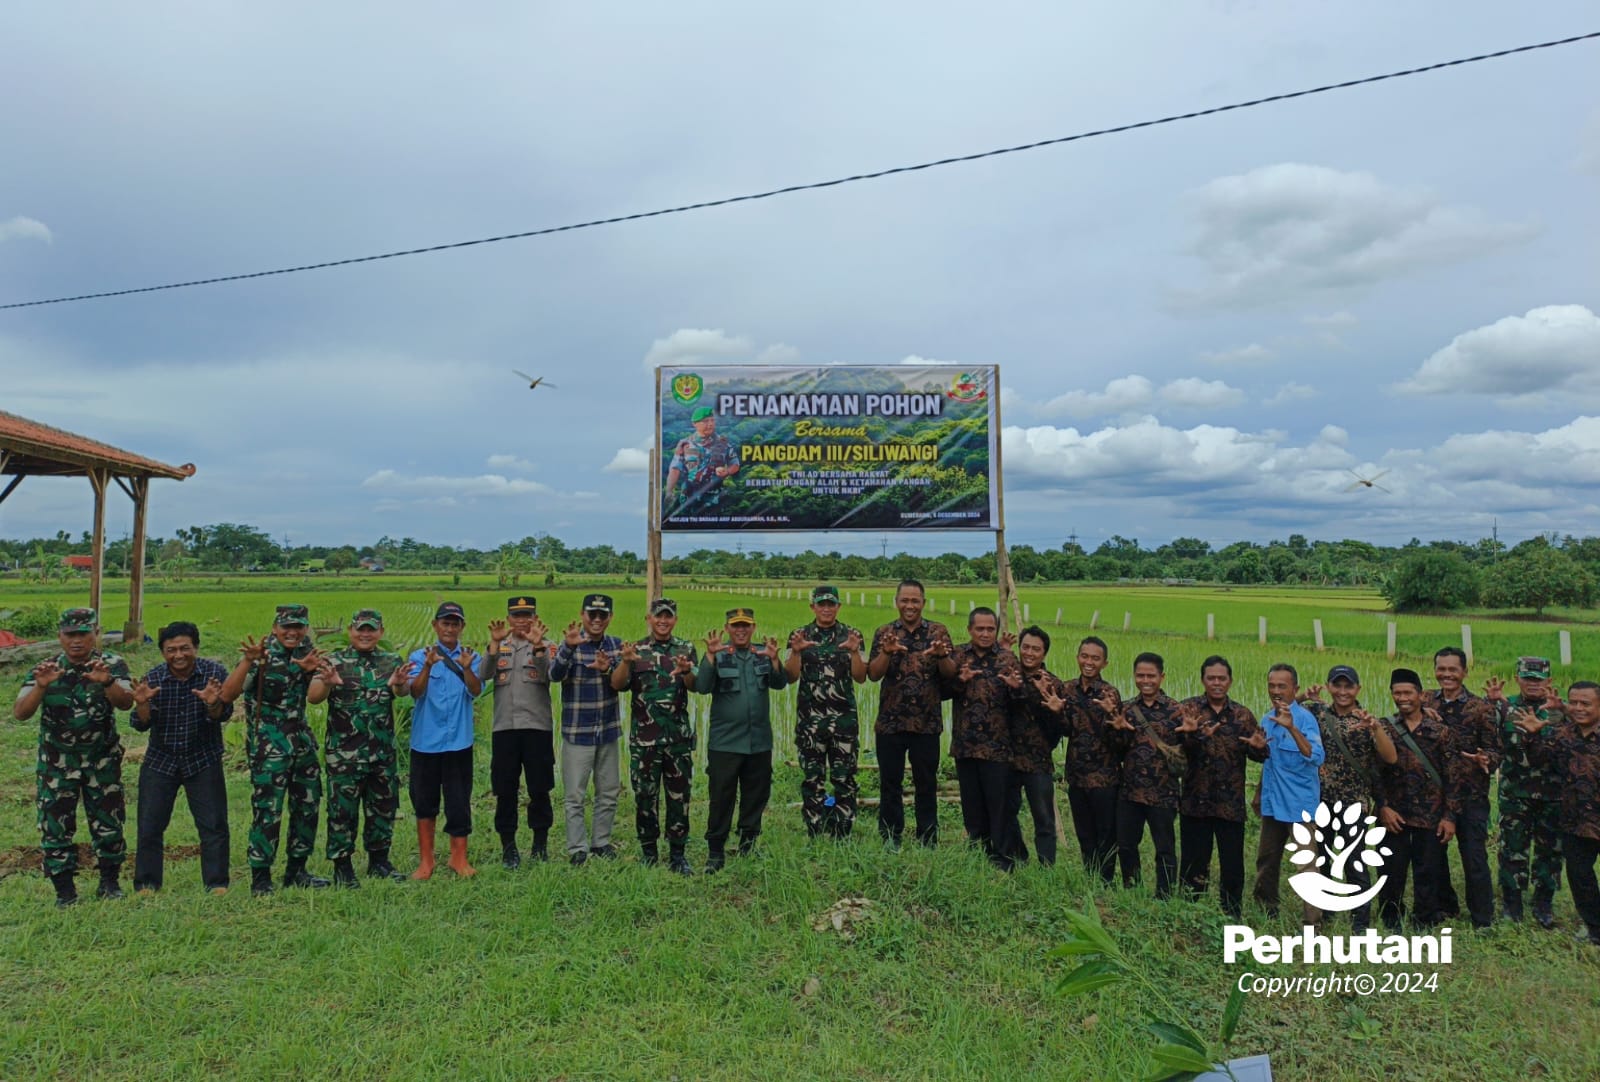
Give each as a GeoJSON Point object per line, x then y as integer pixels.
{"type": "Point", "coordinates": [1201, 328]}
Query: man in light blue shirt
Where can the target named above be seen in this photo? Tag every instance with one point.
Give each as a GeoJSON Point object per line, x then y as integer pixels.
{"type": "Point", "coordinates": [1291, 780]}
{"type": "Point", "coordinates": [443, 683]}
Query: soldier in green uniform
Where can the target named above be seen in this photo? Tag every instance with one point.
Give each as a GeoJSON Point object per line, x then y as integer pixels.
{"type": "Point", "coordinates": [360, 683]}
{"type": "Point", "coordinates": [80, 755]}
{"type": "Point", "coordinates": [699, 464]}
{"type": "Point", "coordinates": [1529, 796]}
{"type": "Point", "coordinates": [659, 669]}
{"type": "Point", "coordinates": [274, 676]}
{"type": "Point", "coordinates": [825, 659]}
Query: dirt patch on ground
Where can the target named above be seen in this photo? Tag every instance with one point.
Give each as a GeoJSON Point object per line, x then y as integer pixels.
{"type": "Point", "coordinates": [30, 858]}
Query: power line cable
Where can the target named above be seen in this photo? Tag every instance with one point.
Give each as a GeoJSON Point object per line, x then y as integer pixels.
{"type": "Point", "coordinates": [817, 185]}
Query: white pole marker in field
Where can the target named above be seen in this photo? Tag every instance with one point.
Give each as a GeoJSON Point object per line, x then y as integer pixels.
{"type": "Point", "coordinates": [1211, 625]}
{"type": "Point", "coordinates": [1094, 621]}
{"type": "Point", "coordinates": [1316, 630]}
{"type": "Point", "coordinates": [1261, 630]}
{"type": "Point", "coordinates": [1391, 638]}
{"type": "Point", "coordinates": [1566, 648]}
{"type": "Point", "coordinates": [1466, 642]}
{"type": "Point", "coordinates": [1127, 620]}
{"type": "Point", "coordinates": [952, 606]}
{"type": "Point", "coordinates": [1058, 617]}
{"type": "Point", "coordinates": [971, 604]}
{"type": "Point", "coordinates": [880, 601]}
{"type": "Point", "coordinates": [1027, 617]}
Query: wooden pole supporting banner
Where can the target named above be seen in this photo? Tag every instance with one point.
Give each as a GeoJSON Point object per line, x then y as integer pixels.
{"type": "Point", "coordinates": [1009, 607]}
{"type": "Point", "coordinates": [133, 630]}
{"type": "Point", "coordinates": [98, 480]}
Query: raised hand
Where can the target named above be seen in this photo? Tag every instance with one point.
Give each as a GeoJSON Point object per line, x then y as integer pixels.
{"type": "Point", "coordinates": [400, 677]}
{"type": "Point", "coordinates": [1118, 719]}
{"type": "Point", "coordinates": [466, 659]}
{"type": "Point", "coordinates": [1528, 721]}
{"type": "Point", "coordinates": [939, 649]}
{"type": "Point", "coordinates": [431, 656]}
{"type": "Point", "coordinates": [1188, 720]}
{"type": "Point", "coordinates": [798, 643]}
{"type": "Point", "coordinates": [537, 630]}
{"type": "Point", "coordinates": [1106, 703]}
{"type": "Point", "coordinates": [682, 665]}
{"type": "Point", "coordinates": [891, 644]}
{"type": "Point", "coordinates": [1283, 716]}
{"type": "Point", "coordinates": [1209, 729]}
{"type": "Point", "coordinates": [329, 674]}
{"type": "Point", "coordinates": [1360, 719]}
{"type": "Point", "coordinates": [1478, 758]}
{"type": "Point", "coordinates": [1009, 640]}
{"type": "Point", "coordinates": [630, 652]}
{"type": "Point", "coordinates": [46, 673]}
{"type": "Point", "coordinates": [574, 634]}
{"type": "Point", "coordinates": [714, 644]}
{"type": "Point", "coordinates": [1494, 689]}
{"type": "Point", "coordinates": [311, 660]}
{"type": "Point", "coordinates": [99, 672]}
{"type": "Point", "coordinates": [252, 650]}
{"type": "Point", "coordinates": [769, 648]}
{"type": "Point", "coordinates": [1312, 694]}
{"type": "Point", "coordinates": [966, 672]}
{"type": "Point", "coordinates": [1256, 740]}
{"type": "Point", "coordinates": [1047, 695]}
{"type": "Point", "coordinates": [852, 641]}
{"type": "Point", "coordinates": [602, 661]}
{"type": "Point", "coordinates": [498, 630]}
{"type": "Point", "coordinates": [144, 692]}
{"type": "Point", "coordinates": [211, 694]}
{"type": "Point", "coordinates": [1012, 678]}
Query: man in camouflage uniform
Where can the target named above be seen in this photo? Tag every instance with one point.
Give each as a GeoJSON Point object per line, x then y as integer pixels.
{"type": "Point", "coordinates": [80, 755]}
{"type": "Point", "coordinates": [274, 676]}
{"type": "Point", "coordinates": [359, 684]}
{"type": "Point", "coordinates": [1570, 750]}
{"type": "Point", "coordinates": [700, 463]}
{"type": "Point", "coordinates": [1529, 796]}
{"type": "Point", "coordinates": [659, 670]}
{"type": "Point", "coordinates": [825, 659]}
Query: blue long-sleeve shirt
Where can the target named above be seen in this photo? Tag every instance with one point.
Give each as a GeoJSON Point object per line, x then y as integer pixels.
{"type": "Point", "coordinates": [1291, 782]}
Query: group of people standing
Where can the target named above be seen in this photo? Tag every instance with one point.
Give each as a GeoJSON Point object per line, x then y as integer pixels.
{"type": "Point", "coordinates": [1148, 763]}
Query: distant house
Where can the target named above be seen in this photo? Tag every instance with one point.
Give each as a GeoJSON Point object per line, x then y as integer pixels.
{"type": "Point", "coordinates": [78, 563]}
{"type": "Point", "coordinates": [371, 563]}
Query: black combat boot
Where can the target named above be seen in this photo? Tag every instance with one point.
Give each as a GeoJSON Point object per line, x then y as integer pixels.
{"type": "Point", "coordinates": [260, 882]}
{"type": "Point", "coordinates": [343, 874]}
{"type": "Point", "coordinates": [540, 851]}
{"type": "Point", "coordinates": [510, 859]}
{"type": "Point", "coordinates": [715, 860]}
{"type": "Point", "coordinates": [649, 855]}
{"type": "Point", "coordinates": [66, 884]}
{"type": "Point", "coordinates": [110, 871]}
{"type": "Point", "coordinates": [1542, 912]}
{"type": "Point", "coordinates": [677, 863]}
{"type": "Point", "coordinates": [295, 875]}
{"type": "Point", "coordinates": [378, 866]}
{"type": "Point", "coordinates": [1511, 905]}
{"type": "Point", "coordinates": [747, 844]}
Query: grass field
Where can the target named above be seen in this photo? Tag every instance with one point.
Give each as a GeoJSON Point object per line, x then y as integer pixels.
{"type": "Point", "coordinates": [620, 971]}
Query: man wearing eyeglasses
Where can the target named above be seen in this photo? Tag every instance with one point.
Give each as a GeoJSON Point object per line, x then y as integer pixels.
{"type": "Point", "coordinates": [591, 728]}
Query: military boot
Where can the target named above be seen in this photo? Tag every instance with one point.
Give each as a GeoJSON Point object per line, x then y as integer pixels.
{"type": "Point", "coordinates": [649, 855]}
{"type": "Point", "coordinates": [541, 842]}
{"type": "Point", "coordinates": [260, 881]}
{"type": "Point", "coordinates": [344, 875]}
{"type": "Point", "coordinates": [1511, 905]}
{"type": "Point", "coordinates": [510, 859]}
{"type": "Point", "coordinates": [378, 866]}
{"type": "Point", "coordinates": [677, 863]}
{"type": "Point", "coordinates": [66, 885]}
{"type": "Point", "coordinates": [109, 887]}
{"type": "Point", "coordinates": [295, 875]}
{"type": "Point", "coordinates": [1542, 911]}
{"type": "Point", "coordinates": [747, 844]}
{"type": "Point", "coordinates": [715, 861]}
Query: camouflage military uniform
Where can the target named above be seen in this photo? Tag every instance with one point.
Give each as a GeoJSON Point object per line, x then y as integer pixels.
{"type": "Point", "coordinates": [827, 732]}
{"type": "Point", "coordinates": [1529, 807]}
{"type": "Point", "coordinates": [283, 756]}
{"type": "Point", "coordinates": [360, 751]}
{"type": "Point", "coordinates": [661, 740]}
{"type": "Point", "coordinates": [699, 461]}
{"type": "Point", "coordinates": [80, 758]}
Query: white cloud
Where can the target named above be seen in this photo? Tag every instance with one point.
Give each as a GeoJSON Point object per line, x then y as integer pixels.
{"type": "Point", "coordinates": [21, 228]}
{"type": "Point", "coordinates": [778, 353]}
{"type": "Point", "coordinates": [485, 484]}
{"type": "Point", "coordinates": [510, 462]}
{"type": "Point", "coordinates": [688, 345]}
{"type": "Point", "coordinates": [1254, 353]}
{"type": "Point", "coordinates": [1558, 457]}
{"type": "Point", "coordinates": [1127, 395]}
{"type": "Point", "coordinates": [1291, 230]}
{"type": "Point", "coordinates": [1290, 392]}
{"type": "Point", "coordinates": [1521, 358]}
{"type": "Point", "coordinates": [629, 460]}
{"type": "Point", "coordinates": [1195, 393]}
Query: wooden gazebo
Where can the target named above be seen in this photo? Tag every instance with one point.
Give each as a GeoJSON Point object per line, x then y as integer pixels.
{"type": "Point", "coordinates": [31, 449]}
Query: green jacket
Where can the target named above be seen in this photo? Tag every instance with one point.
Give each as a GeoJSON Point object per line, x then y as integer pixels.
{"type": "Point", "coordinates": [738, 682]}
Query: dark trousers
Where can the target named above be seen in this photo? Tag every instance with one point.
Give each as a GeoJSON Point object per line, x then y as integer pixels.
{"type": "Point", "coordinates": [1269, 869]}
{"type": "Point", "coordinates": [1131, 821]}
{"type": "Point", "coordinates": [1580, 855]}
{"type": "Point", "coordinates": [731, 774]}
{"type": "Point", "coordinates": [1419, 851]}
{"type": "Point", "coordinates": [1196, 835]}
{"type": "Point", "coordinates": [515, 755]}
{"type": "Point", "coordinates": [1094, 821]}
{"type": "Point", "coordinates": [449, 772]}
{"type": "Point", "coordinates": [1041, 794]}
{"type": "Point", "coordinates": [207, 793]}
{"type": "Point", "coordinates": [985, 795]}
{"type": "Point", "coordinates": [1472, 840]}
{"type": "Point", "coordinates": [922, 749]}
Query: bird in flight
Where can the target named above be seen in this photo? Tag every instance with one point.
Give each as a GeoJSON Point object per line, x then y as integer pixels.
{"type": "Point", "coordinates": [532, 382]}
{"type": "Point", "coordinates": [1368, 482]}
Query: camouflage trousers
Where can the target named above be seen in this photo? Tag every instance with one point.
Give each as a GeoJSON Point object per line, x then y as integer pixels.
{"type": "Point", "coordinates": [1526, 824]}
{"type": "Point", "coordinates": [63, 778]}
{"type": "Point", "coordinates": [283, 767]}
{"type": "Point", "coordinates": [352, 787]}
{"type": "Point", "coordinates": [828, 747]}
{"type": "Point", "coordinates": [652, 770]}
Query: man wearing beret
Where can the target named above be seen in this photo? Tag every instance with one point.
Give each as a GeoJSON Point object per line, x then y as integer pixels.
{"type": "Point", "coordinates": [659, 670]}
{"type": "Point", "coordinates": [80, 755]}
{"type": "Point", "coordinates": [825, 659]}
{"type": "Point", "coordinates": [359, 684]}
{"type": "Point", "coordinates": [699, 463]}
{"type": "Point", "coordinates": [739, 748]}
{"type": "Point", "coordinates": [445, 685]}
{"type": "Point", "coordinates": [591, 728]}
{"type": "Point", "coordinates": [517, 666]}
{"type": "Point", "coordinates": [1530, 795]}
{"type": "Point", "coordinates": [274, 676]}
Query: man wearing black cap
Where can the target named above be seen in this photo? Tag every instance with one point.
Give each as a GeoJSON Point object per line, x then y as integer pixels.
{"type": "Point", "coordinates": [518, 664]}
{"type": "Point", "coordinates": [825, 659]}
{"type": "Point", "coordinates": [1475, 726]}
{"type": "Point", "coordinates": [274, 676]}
{"type": "Point", "coordinates": [1529, 797]}
{"type": "Point", "coordinates": [444, 685]}
{"type": "Point", "coordinates": [659, 671]}
{"type": "Point", "coordinates": [1420, 804]}
{"type": "Point", "coordinates": [1355, 745]}
{"type": "Point", "coordinates": [591, 728]}
{"type": "Point", "coordinates": [80, 754]}
{"type": "Point", "coordinates": [739, 748]}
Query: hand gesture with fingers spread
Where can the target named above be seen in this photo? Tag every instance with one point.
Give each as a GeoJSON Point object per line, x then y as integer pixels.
{"type": "Point", "coordinates": [601, 662]}
{"type": "Point", "coordinates": [682, 665]}
{"type": "Point", "coordinates": [852, 641]}
{"type": "Point", "coordinates": [99, 672]}
{"type": "Point", "coordinates": [329, 674]}
{"type": "Point", "coordinates": [630, 653]}
{"type": "Point", "coordinates": [574, 634]}
{"type": "Point", "coordinates": [798, 643]}
{"type": "Point", "coordinates": [144, 692]}
{"type": "Point", "coordinates": [714, 645]}
{"type": "Point", "coordinates": [310, 661]}
{"type": "Point", "coordinates": [1118, 719]}
{"type": "Point", "coordinates": [1494, 689]}
{"type": "Point", "coordinates": [1047, 695]}
{"type": "Point", "coordinates": [1256, 740]}
{"type": "Point", "coordinates": [252, 650]}
{"type": "Point", "coordinates": [1012, 678]}
{"type": "Point", "coordinates": [401, 677]}
{"type": "Point", "coordinates": [498, 630]}
{"type": "Point", "coordinates": [1188, 720]}
{"type": "Point", "coordinates": [211, 694]}
{"type": "Point", "coordinates": [46, 673]}
{"type": "Point", "coordinates": [966, 672]}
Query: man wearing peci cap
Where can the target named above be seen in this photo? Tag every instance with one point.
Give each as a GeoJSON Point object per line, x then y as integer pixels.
{"type": "Point", "coordinates": [659, 671]}
{"type": "Point", "coordinates": [517, 666]}
{"type": "Point", "coordinates": [1529, 797]}
{"type": "Point", "coordinates": [444, 685]}
{"type": "Point", "coordinates": [80, 754]}
{"type": "Point", "coordinates": [826, 661]}
{"type": "Point", "coordinates": [739, 747]}
{"type": "Point", "coordinates": [591, 728]}
{"type": "Point", "coordinates": [699, 464]}
{"type": "Point", "coordinates": [359, 684]}
{"type": "Point", "coordinates": [274, 676]}
{"type": "Point", "coordinates": [1421, 799]}
{"type": "Point", "coordinates": [1475, 726]}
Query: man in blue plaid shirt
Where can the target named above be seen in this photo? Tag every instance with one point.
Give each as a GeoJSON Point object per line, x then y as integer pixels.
{"type": "Point", "coordinates": [180, 704]}
{"type": "Point", "coordinates": [591, 727]}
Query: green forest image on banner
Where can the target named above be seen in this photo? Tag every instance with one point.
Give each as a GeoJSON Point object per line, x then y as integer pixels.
{"type": "Point", "coordinates": [763, 447]}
